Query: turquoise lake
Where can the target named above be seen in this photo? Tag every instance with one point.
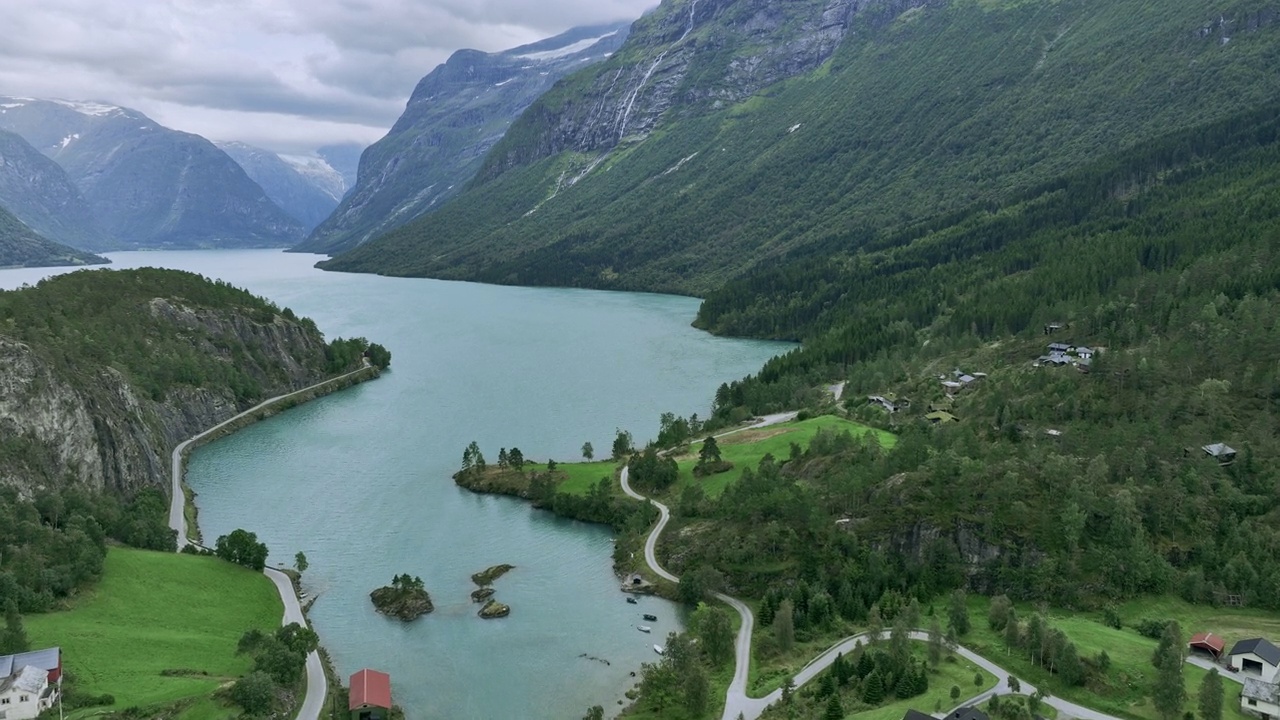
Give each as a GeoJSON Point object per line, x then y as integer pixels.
{"type": "Point", "coordinates": [360, 481]}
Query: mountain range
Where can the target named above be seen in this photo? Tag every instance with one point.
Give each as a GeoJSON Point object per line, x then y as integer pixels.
{"type": "Point", "coordinates": [725, 136]}
{"type": "Point", "coordinates": [143, 185]}
{"type": "Point", "coordinates": [308, 189]}
{"type": "Point", "coordinates": [455, 115]}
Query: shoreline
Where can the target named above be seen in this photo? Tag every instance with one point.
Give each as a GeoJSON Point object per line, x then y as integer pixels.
{"type": "Point", "coordinates": [182, 498]}
{"type": "Point", "coordinates": [180, 501]}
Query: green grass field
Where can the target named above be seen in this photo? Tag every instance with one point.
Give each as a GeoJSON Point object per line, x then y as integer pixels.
{"type": "Point", "coordinates": [747, 447]}
{"type": "Point", "coordinates": [1131, 675]}
{"type": "Point", "coordinates": [948, 674]}
{"type": "Point", "coordinates": [154, 612]}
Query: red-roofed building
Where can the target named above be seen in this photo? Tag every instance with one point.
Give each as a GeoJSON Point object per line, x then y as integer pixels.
{"type": "Point", "coordinates": [1209, 643]}
{"type": "Point", "coordinates": [370, 697]}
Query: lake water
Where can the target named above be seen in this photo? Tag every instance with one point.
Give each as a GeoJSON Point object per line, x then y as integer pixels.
{"type": "Point", "coordinates": [360, 480]}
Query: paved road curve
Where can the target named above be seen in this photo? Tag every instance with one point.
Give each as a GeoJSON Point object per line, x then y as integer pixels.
{"type": "Point", "coordinates": [317, 684]}
{"type": "Point", "coordinates": [737, 703]}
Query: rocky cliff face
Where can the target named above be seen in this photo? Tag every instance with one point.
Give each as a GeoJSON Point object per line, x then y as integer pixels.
{"type": "Point", "coordinates": [147, 185]}
{"type": "Point", "coordinates": [39, 193]}
{"type": "Point", "coordinates": [453, 118]}
{"type": "Point", "coordinates": [686, 57]}
{"type": "Point", "coordinates": [93, 427]}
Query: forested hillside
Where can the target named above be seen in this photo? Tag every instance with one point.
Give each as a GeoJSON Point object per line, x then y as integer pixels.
{"type": "Point", "coordinates": [22, 246]}
{"type": "Point", "coordinates": [924, 108]}
{"type": "Point", "coordinates": [104, 373]}
{"type": "Point", "coordinates": [1166, 256]}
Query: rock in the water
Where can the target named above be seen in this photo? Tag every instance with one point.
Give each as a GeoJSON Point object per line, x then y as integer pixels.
{"type": "Point", "coordinates": [494, 609]}
{"type": "Point", "coordinates": [404, 598]}
{"type": "Point", "coordinates": [482, 594]}
{"type": "Point", "coordinates": [488, 575]}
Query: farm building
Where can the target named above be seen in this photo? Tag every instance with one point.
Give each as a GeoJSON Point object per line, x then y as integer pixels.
{"type": "Point", "coordinates": [1258, 658]}
{"type": "Point", "coordinates": [29, 683]}
{"type": "Point", "coordinates": [1223, 453]}
{"type": "Point", "coordinates": [1209, 643]}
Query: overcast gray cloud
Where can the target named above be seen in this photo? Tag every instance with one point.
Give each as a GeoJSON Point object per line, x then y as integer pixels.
{"type": "Point", "coordinates": [290, 75]}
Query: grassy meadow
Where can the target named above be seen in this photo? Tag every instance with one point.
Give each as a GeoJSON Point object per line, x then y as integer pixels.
{"type": "Point", "coordinates": [155, 612]}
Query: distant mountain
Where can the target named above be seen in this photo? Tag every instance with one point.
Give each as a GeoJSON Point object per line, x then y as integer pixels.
{"type": "Point", "coordinates": [455, 115]}
{"type": "Point", "coordinates": [20, 246]}
{"type": "Point", "coordinates": [38, 191]}
{"type": "Point", "coordinates": [148, 185]}
{"type": "Point", "coordinates": [345, 159]}
{"type": "Point", "coordinates": [308, 189]}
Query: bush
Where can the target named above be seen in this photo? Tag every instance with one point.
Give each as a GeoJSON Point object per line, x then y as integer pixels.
{"type": "Point", "coordinates": [1153, 629]}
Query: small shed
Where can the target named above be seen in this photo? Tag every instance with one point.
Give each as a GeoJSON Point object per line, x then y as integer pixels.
{"type": "Point", "coordinates": [951, 386]}
{"type": "Point", "coordinates": [1053, 327]}
{"type": "Point", "coordinates": [1209, 643]}
{"type": "Point", "coordinates": [1223, 453]}
{"type": "Point", "coordinates": [941, 417]}
{"type": "Point", "coordinates": [370, 697]}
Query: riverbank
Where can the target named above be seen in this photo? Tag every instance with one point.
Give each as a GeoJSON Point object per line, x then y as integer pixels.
{"type": "Point", "coordinates": [183, 514]}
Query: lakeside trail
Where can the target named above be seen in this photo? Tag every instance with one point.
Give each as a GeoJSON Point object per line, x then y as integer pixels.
{"type": "Point", "coordinates": [738, 704]}
{"type": "Point", "coordinates": [317, 684]}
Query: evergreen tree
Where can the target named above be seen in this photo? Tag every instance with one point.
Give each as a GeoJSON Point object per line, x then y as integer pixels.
{"type": "Point", "coordinates": [834, 710]}
{"type": "Point", "coordinates": [14, 640]}
{"type": "Point", "coordinates": [1210, 696]}
{"type": "Point", "coordinates": [935, 641]}
{"type": "Point", "coordinates": [710, 452]}
{"type": "Point", "coordinates": [784, 629]}
{"type": "Point", "coordinates": [1012, 631]}
{"type": "Point", "coordinates": [1170, 691]}
{"type": "Point", "coordinates": [958, 613]}
{"type": "Point", "coordinates": [588, 452]}
{"type": "Point", "coordinates": [873, 689]}
{"type": "Point", "coordinates": [906, 686]}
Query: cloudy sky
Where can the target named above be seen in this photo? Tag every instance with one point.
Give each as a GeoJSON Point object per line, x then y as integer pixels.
{"type": "Point", "coordinates": [289, 75]}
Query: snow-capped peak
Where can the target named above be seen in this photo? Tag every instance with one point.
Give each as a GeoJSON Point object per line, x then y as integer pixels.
{"type": "Point", "coordinates": [319, 172]}
{"type": "Point", "coordinates": [88, 108]}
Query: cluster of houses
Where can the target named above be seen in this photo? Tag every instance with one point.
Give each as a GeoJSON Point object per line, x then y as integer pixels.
{"type": "Point", "coordinates": [959, 381]}
{"type": "Point", "coordinates": [1255, 664]}
{"type": "Point", "coordinates": [1067, 354]}
{"type": "Point", "coordinates": [29, 683]}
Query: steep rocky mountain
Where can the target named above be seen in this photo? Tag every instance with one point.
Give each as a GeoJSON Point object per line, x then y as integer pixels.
{"type": "Point", "coordinates": [105, 372]}
{"type": "Point", "coordinates": [39, 193]}
{"type": "Point", "coordinates": [147, 185]}
{"type": "Point", "coordinates": [723, 135]}
{"type": "Point", "coordinates": [22, 246]}
{"type": "Point", "coordinates": [305, 188]}
{"type": "Point", "coordinates": [453, 118]}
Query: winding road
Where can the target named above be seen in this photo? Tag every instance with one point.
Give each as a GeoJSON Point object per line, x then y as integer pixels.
{"type": "Point", "coordinates": [317, 683]}
{"type": "Point", "coordinates": [738, 704]}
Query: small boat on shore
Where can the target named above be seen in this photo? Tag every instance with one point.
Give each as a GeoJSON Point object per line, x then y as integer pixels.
{"type": "Point", "coordinates": [650, 618]}
{"type": "Point", "coordinates": [644, 628]}
{"type": "Point", "coordinates": [631, 600]}
{"type": "Point", "coordinates": [659, 649]}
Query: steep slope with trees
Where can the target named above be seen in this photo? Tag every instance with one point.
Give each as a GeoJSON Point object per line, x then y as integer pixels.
{"type": "Point", "coordinates": [921, 108]}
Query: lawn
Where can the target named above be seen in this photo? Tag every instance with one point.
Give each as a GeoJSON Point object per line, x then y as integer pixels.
{"type": "Point", "coordinates": [157, 611]}
{"type": "Point", "coordinates": [1131, 675]}
{"type": "Point", "coordinates": [578, 478]}
{"type": "Point", "coordinates": [938, 697]}
{"type": "Point", "coordinates": [746, 448]}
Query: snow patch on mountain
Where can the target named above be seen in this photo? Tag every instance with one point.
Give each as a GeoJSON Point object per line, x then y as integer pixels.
{"type": "Point", "coordinates": [567, 50]}
{"type": "Point", "coordinates": [320, 173]}
{"type": "Point", "coordinates": [89, 108]}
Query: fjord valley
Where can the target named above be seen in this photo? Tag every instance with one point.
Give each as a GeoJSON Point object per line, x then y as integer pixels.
{"type": "Point", "coordinates": [454, 116]}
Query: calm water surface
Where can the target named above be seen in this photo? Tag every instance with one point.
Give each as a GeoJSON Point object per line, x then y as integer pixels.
{"type": "Point", "coordinates": [360, 480]}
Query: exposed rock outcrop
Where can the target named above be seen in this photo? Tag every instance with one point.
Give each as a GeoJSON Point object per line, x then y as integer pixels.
{"type": "Point", "coordinates": [494, 609]}
{"type": "Point", "coordinates": [488, 575]}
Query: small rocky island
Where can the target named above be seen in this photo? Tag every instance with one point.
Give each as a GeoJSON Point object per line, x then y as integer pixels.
{"type": "Point", "coordinates": [492, 608]}
{"type": "Point", "coordinates": [488, 575]}
{"type": "Point", "coordinates": [405, 598]}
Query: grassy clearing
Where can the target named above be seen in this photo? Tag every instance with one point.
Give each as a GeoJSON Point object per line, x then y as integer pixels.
{"type": "Point", "coordinates": [747, 447]}
{"type": "Point", "coordinates": [1126, 690]}
{"type": "Point", "coordinates": [160, 611]}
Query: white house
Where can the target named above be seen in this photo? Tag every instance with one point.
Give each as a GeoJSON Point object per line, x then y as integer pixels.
{"type": "Point", "coordinates": [1260, 699]}
{"type": "Point", "coordinates": [1259, 661]}
{"type": "Point", "coordinates": [25, 694]}
{"type": "Point", "coordinates": [1257, 658]}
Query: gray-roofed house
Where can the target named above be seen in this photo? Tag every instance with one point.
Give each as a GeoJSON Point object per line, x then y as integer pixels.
{"type": "Point", "coordinates": [1223, 453]}
{"type": "Point", "coordinates": [48, 659]}
{"type": "Point", "coordinates": [26, 693]}
{"type": "Point", "coordinates": [1257, 657]}
{"type": "Point", "coordinates": [1060, 347]}
{"type": "Point", "coordinates": [1260, 699]}
{"type": "Point", "coordinates": [1084, 353]}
